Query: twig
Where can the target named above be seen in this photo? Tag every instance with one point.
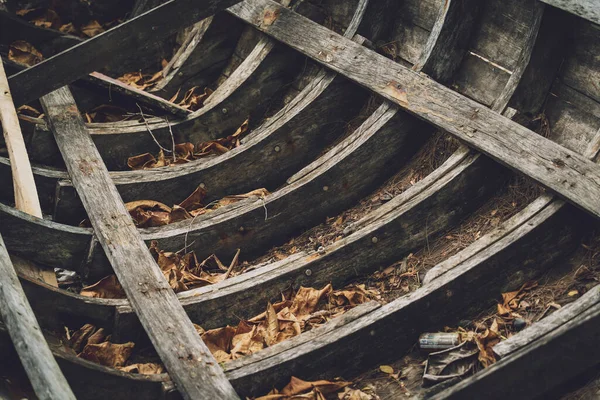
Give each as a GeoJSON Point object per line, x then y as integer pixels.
{"type": "Point", "coordinates": [150, 130]}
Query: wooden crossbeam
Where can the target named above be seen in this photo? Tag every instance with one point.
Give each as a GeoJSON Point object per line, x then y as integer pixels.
{"type": "Point", "coordinates": [187, 359]}
{"type": "Point", "coordinates": [111, 47]}
{"type": "Point", "coordinates": [561, 170]}
{"type": "Point", "coordinates": [44, 374]}
{"type": "Point", "coordinates": [588, 9]}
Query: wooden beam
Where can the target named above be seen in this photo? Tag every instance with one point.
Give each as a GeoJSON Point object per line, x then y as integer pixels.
{"type": "Point", "coordinates": [553, 166]}
{"type": "Point", "coordinates": [26, 194]}
{"type": "Point", "coordinates": [44, 374]}
{"type": "Point", "coordinates": [188, 360]}
{"type": "Point", "coordinates": [588, 9]}
{"type": "Point", "coordinates": [111, 47]}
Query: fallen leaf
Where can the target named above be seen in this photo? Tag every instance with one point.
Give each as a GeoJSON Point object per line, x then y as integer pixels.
{"type": "Point", "coordinates": [144, 369]}
{"type": "Point", "coordinates": [92, 29]}
{"type": "Point", "coordinates": [24, 53]}
{"type": "Point", "coordinates": [107, 288]}
{"type": "Point", "coordinates": [108, 354]}
{"type": "Point", "coordinates": [386, 369]}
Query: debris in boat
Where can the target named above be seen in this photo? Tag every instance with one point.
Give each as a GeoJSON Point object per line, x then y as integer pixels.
{"type": "Point", "coordinates": [193, 99]}
{"type": "Point", "coordinates": [24, 53]}
{"type": "Point", "coordinates": [93, 344]}
{"type": "Point", "coordinates": [439, 341]}
{"type": "Point", "coordinates": [305, 310]}
{"type": "Point", "coordinates": [141, 81]}
{"type": "Point", "coordinates": [51, 18]}
{"type": "Point", "coordinates": [183, 272]}
{"type": "Point", "coordinates": [186, 152]}
{"type": "Point", "coordinates": [455, 362]}
{"type": "Point", "coordinates": [299, 389]}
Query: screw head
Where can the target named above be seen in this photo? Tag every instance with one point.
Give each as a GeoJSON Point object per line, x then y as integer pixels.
{"type": "Point", "coordinates": [202, 185]}
{"type": "Point", "coordinates": [308, 272]}
{"type": "Point", "coordinates": [374, 239]}
{"type": "Point", "coordinates": [325, 188]}
{"type": "Point", "coordinates": [277, 149]}
{"type": "Point", "coordinates": [242, 229]}
{"type": "Point", "coordinates": [224, 111]}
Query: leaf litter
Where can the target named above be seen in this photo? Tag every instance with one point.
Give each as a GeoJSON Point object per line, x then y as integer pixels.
{"type": "Point", "coordinates": [295, 313]}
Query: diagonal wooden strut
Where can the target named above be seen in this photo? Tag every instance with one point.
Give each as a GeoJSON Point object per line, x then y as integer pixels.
{"type": "Point", "coordinates": [186, 357]}
{"type": "Point", "coordinates": [561, 170]}
{"type": "Point", "coordinates": [111, 47]}
{"type": "Point", "coordinates": [44, 374]}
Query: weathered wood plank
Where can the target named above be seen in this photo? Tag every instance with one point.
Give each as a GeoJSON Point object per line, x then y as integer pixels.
{"type": "Point", "coordinates": [37, 359]}
{"type": "Point", "coordinates": [588, 9]}
{"type": "Point", "coordinates": [187, 359]}
{"type": "Point", "coordinates": [111, 47]}
{"type": "Point", "coordinates": [559, 169]}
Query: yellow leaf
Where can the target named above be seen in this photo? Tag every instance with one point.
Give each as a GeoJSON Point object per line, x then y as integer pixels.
{"type": "Point", "coordinates": [573, 293]}
{"type": "Point", "coordinates": [386, 369]}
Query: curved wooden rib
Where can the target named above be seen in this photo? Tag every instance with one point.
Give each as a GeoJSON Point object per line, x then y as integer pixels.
{"type": "Point", "coordinates": [247, 91]}
{"type": "Point", "coordinates": [314, 118]}
{"type": "Point", "coordinates": [362, 329]}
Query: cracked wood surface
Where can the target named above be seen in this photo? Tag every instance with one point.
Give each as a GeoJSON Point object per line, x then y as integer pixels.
{"type": "Point", "coordinates": [559, 169]}
{"type": "Point", "coordinates": [185, 356]}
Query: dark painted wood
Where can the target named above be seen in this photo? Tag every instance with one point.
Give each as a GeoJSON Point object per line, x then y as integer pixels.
{"type": "Point", "coordinates": [185, 356]}
{"type": "Point", "coordinates": [110, 47]}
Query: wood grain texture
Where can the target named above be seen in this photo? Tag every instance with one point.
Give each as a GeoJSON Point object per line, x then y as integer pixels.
{"type": "Point", "coordinates": [185, 356]}
{"type": "Point", "coordinates": [37, 359]}
{"type": "Point", "coordinates": [588, 9]}
{"type": "Point", "coordinates": [111, 47]}
{"type": "Point", "coordinates": [559, 169]}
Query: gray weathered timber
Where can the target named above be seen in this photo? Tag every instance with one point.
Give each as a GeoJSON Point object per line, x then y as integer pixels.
{"type": "Point", "coordinates": [449, 39]}
{"type": "Point", "coordinates": [559, 169]}
{"type": "Point", "coordinates": [111, 47]}
{"type": "Point", "coordinates": [185, 356]}
{"type": "Point", "coordinates": [588, 9]}
{"type": "Point", "coordinates": [44, 374]}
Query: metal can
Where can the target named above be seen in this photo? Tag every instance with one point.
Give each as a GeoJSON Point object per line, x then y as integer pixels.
{"type": "Point", "coordinates": [438, 341]}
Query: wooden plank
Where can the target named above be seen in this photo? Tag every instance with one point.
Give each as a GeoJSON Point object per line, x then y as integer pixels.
{"type": "Point", "coordinates": [24, 187]}
{"type": "Point", "coordinates": [185, 356]}
{"type": "Point", "coordinates": [111, 47]}
{"type": "Point", "coordinates": [44, 374]}
{"type": "Point", "coordinates": [561, 170]}
{"type": "Point", "coordinates": [588, 9]}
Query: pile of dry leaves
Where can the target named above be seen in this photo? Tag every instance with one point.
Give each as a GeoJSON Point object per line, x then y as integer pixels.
{"type": "Point", "coordinates": [307, 309]}
{"type": "Point", "coordinates": [186, 152]}
{"type": "Point", "coordinates": [92, 344]}
{"type": "Point", "coordinates": [50, 19]}
{"type": "Point", "coordinates": [318, 390]}
{"type": "Point", "coordinates": [183, 272]}
{"type": "Point", "coordinates": [150, 213]}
